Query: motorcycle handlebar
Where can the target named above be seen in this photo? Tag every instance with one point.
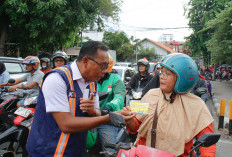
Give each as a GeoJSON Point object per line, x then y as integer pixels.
{"type": "Point", "coordinates": [110, 145]}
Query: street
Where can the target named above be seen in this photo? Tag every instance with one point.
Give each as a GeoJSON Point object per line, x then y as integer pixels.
{"type": "Point", "coordinates": [222, 90]}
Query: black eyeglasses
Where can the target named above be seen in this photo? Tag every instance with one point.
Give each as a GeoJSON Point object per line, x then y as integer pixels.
{"type": "Point", "coordinates": [103, 66]}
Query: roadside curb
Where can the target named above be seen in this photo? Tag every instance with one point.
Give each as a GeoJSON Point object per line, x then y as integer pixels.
{"type": "Point", "coordinates": [216, 104]}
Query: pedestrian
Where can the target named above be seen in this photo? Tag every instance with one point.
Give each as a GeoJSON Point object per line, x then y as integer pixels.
{"type": "Point", "coordinates": [63, 114]}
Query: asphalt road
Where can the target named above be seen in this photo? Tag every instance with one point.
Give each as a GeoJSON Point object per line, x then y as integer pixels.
{"type": "Point", "coordinates": [222, 90]}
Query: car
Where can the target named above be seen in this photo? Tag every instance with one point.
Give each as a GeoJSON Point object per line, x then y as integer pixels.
{"type": "Point", "coordinates": [124, 72]}
{"type": "Point", "coordinates": [124, 64]}
{"type": "Point", "coordinates": [14, 66]}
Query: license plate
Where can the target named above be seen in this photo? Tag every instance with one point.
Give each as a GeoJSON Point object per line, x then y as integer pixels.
{"type": "Point", "coordinates": [23, 112]}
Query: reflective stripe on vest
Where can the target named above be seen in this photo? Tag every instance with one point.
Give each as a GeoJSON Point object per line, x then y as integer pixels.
{"type": "Point", "coordinates": [72, 103]}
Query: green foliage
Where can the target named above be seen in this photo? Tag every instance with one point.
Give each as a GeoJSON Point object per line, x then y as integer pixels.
{"type": "Point", "coordinates": [53, 24]}
{"type": "Point", "coordinates": [199, 13]}
{"type": "Point", "coordinates": [148, 53]}
{"type": "Point", "coordinates": [221, 43]}
{"type": "Point", "coordinates": [120, 42]}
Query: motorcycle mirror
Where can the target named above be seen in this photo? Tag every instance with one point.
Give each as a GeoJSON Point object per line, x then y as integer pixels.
{"type": "Point", "coordinates": [208, 139]}
{"type": "Point", "coordinates": [201, 90]}
{"type": "Point", "coordinates": [102, 95]}
{"type": "Point", "coordinates": [117, 119]}
{"type": "Point", "coordinates": [11, 80]}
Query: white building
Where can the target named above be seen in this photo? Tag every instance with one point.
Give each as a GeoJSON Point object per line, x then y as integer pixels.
{"type": "Point", "coordinates": [165, 38]}
{"type": "Point", "coordinates": [160, 49]}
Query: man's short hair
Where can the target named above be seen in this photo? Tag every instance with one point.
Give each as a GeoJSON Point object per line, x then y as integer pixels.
{"type": "Point", "coordinates": [90, 48]}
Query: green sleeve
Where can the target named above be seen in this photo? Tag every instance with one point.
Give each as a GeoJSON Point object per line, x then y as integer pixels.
{"type": "Point", "coordinates": [119, 91]}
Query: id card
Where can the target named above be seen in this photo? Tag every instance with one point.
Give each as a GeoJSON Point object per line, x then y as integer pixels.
{"type": "Point", "coordinates": [138, 108]}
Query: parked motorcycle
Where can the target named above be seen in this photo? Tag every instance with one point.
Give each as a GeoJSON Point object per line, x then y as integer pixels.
{"type": "Point", "coordinates": [123, 150]}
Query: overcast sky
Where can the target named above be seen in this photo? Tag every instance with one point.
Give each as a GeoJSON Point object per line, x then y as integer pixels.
{"type": "Point", "coordinates": [137, 14]}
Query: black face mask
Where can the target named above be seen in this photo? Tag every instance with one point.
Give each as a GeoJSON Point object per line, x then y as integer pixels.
{"type": "Point", "coordinates": [2, 68]}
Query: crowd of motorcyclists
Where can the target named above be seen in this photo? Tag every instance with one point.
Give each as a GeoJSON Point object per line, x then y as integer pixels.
{"type": "Point", "coordinates": [55, 132]}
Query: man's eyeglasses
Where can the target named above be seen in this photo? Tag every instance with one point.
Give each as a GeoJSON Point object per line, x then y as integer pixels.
{"type": "Point", "coordinates": [103, 66]}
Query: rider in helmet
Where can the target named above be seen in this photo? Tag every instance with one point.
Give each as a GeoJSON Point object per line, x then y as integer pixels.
{"type": "Point", "coordinates": [32, 79]}
{"type": "Point", "coordinates": [175, 115]}
{"type": "Point", "coordinates": [140, 80]}
{"type": "Point", "coordinates": [114, 102]}
{"type": "Point", "coordinates": [59, 58]}
{"type": "Point", "coordinates": [44, 63]}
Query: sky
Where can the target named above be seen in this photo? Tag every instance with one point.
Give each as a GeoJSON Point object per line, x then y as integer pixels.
{"type": "Point", "coordinates": [136, 15]}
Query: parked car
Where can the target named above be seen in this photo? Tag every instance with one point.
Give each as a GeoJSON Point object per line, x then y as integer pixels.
{"type": "Point", "coordinates": [124, 72]}
{"type": "Point", "coordinates": [14, 66]}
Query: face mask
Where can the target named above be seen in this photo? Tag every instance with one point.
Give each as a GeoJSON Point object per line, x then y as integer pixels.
{"type": "Point", "coordinates": [44, 66]}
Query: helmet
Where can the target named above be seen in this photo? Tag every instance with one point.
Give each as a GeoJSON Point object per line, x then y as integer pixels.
{"type": "Point", "coordinates": [185, 69]}
{"type": "Point", "coordinates": [47, 60]}
{"type": "Point", "coordinates": [144, 62]}
{"type": "Point", "coordinates": [158, 66]}
{"type": "Point", "coordinates": [32, 60]}
{"type": "Point", "coordinates": [110, 64]}
{"type": "Point", "coordinates": [61, 54]}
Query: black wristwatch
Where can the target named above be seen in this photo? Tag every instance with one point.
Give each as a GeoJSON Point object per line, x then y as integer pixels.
{"type": "Point", "coordinates": [105, 111]}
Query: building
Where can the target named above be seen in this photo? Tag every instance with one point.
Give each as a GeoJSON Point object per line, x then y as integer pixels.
{"type": "Point", "coordinates": [165, 38]}
{"type": "Point", "coordinates": [160, 49]}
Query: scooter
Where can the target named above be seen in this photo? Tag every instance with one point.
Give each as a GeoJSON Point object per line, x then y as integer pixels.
{"type": "Point", "coordinates": [9, 105]}
{"type": "Point", "coordinates": [123, 135]}
{"type": "Point", "coordinates": [123, 150]}
{"type": "Point", "coordinates": [15, 138]}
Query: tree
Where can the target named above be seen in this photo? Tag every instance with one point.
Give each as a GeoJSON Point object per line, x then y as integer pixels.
{"type": "Point", "coordinates": [148, 53]}
{"type": "Point", "coordinates": [51, 25]}
{"type": "Point", "coordinates": [199, 13]}
{"type": "Point", "coordinates": [220, 44]}
{"type": "Point", "coordinates": [120, 42]}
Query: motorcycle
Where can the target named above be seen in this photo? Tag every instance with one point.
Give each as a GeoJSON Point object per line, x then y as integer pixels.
{"type": "Point", "coordinates": [129, 150]}
{"type": "Point", "coordinates": [123, 135]}
{"type": "Point", "coordinates": [225, 76]}
{"type": "Point", "coordinates": [9, 105]}
{"type": "Point", "coordinates": [15, 138]}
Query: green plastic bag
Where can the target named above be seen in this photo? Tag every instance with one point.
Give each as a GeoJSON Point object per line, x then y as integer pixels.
{"type": "Point", "coordinates": [91, 138]}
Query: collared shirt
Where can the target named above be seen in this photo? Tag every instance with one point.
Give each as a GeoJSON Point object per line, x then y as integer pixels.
{"type": "Point", "coordinates": [55, 90]}
{"type": "Point", "coordinates": [37, 77]}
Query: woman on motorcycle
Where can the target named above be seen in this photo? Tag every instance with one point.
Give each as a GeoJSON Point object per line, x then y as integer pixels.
{"type": "Point", "coordinates": [141, 79]}
{"type": "Point", "coordinates": [180, 116]}
{"type": "Point", "coordinates": [59, 58]}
